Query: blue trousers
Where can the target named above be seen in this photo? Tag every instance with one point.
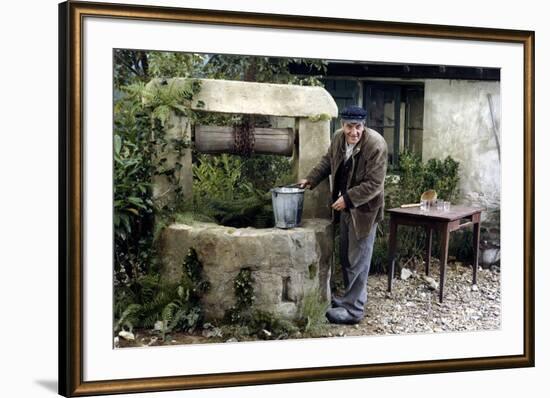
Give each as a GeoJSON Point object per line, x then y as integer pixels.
{"type": "Point", "coordinates": [355, 257]}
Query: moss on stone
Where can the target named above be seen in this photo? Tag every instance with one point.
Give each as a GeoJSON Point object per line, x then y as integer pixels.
{"type": "Point", "coordinates": [321, 117]}
{"type": "Point", "coordinates": [312, 269]}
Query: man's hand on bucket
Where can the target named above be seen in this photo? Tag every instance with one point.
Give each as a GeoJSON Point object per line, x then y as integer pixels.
{"type": "Point", "coordinates": [304, 184]}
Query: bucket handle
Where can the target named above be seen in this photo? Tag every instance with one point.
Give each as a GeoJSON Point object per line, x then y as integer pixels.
{"type": "Point", "coordinates": [296, 185]}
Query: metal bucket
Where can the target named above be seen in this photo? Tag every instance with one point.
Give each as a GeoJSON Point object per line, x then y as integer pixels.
{"type": "Point", "coordinates": [288, 204]}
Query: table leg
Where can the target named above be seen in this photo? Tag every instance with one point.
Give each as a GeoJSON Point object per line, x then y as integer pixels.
{"type": "Point", "coordinates": [476, 252]}
{"type": "Point", "coordinates": [428, 249]}
{"type": "Point", "coordinates": [391, 252]}
{"type": "Point", "coordinates": [444, 229]}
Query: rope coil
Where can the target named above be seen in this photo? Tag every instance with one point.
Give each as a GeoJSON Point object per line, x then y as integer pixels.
{"type": "Point", "coordinates": [243, 134]}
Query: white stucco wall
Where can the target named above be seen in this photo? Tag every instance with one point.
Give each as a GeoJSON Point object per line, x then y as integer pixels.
{"type": "Point", "coordinates": [458, 122]}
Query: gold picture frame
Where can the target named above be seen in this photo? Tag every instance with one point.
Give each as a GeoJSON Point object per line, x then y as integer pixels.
{"type": "Point", "coordinates": [71, 17]}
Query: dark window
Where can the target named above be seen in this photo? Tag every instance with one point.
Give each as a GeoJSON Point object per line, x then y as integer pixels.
{"type": "Point", "coordinates": [396, 111]}
{"type": "Point", "coordinates": [414, 118]}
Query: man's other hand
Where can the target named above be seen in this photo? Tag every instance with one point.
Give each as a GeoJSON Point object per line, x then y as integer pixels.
{"type": "Point", "coordinates": [340, 204]}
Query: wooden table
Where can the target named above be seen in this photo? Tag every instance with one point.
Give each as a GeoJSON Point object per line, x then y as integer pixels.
{"type": "Point", "coordinates": [444, 222]}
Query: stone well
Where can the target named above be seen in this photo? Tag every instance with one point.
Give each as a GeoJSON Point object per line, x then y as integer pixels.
{"type": "Point", "coordinates": [285, 264]}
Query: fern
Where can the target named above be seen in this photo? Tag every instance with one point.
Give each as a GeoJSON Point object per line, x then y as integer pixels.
{"type": "Point", "coordinates": [172, 314]}
{"type": "Point", "coordinates": [150, 299]}
{"type": "Point", "coordinates": [161, 98]}
{"type": "Point", "coordinates": [162, 113]}
{"type": "Point", "coordinates": [153, 309]}
{"type": "Point", "coordinates": [129, 318]}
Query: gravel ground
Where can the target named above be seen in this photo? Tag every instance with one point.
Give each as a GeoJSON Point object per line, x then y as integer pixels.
{"type": "Point", "coordinates": [412, 307]}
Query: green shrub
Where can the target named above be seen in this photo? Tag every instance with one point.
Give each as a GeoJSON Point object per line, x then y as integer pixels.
{"type": "Point", "coordinates": [144, 299]}
{"type": "Point", "coordinates": [149, 299]}
{"type": "Point", "coordinates": [416, 177]}
{"type": "Point", "coordinates": [266, 171]}
{"type": "Point", "coordinates": [412, 178]}
{"type": "Point", "coordinates": [218, 177]}
{"type": "Point", "coordinates": [133, 208]}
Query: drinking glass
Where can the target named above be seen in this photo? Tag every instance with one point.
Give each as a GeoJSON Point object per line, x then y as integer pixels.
{"type": "Point", "coordinates": [424, 205]}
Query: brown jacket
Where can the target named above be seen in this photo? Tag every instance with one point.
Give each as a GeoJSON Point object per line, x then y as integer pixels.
{"type": "Point", "coordinates": [366, 180]}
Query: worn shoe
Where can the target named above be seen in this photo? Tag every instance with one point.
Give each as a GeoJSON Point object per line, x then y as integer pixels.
{"type": "Point", "coordinates": [335, 301]}
{"type": "Point", "coordinates": [341, 316]}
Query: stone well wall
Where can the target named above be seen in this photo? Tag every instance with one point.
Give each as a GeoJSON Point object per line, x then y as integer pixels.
{"type": "Point", "coordinates": [285, 264]}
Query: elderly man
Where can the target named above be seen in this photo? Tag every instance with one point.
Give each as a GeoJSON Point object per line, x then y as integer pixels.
{"type": "Point", "coordinates": [356, 161]}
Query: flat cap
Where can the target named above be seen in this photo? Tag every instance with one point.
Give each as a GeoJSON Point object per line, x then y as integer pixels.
{"type": "Point", "coordinates": [353, 114]}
